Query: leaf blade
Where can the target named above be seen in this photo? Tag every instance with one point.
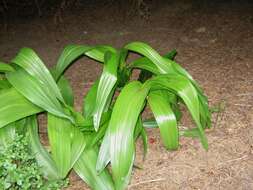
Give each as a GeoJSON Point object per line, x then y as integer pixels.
{"type": "Point", "coordinates": [31, 63]}
{"type": "Point", "coordinates": [35, 92]}
{"type": "Point", "coordinates": [14, 107]}
{"type": "Point", "coordinates": [85, 167]}
{"type": "Point", "coordinates": [5, 68]}
{"type": "Point", "coordinates": [125, 114]}
{"type": "Point", "coordinates": [185, 90]}
{"type": "Point", "coordinates": [165, 118]}
{"type": "Point", "coordinates": [48, 166]}
{"type": "Point", "coordinates": [106, 85]}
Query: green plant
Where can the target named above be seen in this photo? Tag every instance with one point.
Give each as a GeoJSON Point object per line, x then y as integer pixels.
{"type": "Point", "coordinates": [19, 169]}
{"type": "Point", "coordinates": [106, 130]}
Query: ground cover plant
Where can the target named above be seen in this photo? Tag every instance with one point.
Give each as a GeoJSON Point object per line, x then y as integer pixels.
{"type": "Point", "coordinates": [102, 135]}
{"type": "Point", "coordinates": [18, 167]}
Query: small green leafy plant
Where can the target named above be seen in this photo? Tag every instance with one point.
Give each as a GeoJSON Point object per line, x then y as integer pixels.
{"type": "Point", "coordinates": [19, 169]}
{"type": "Point", "coordinates": [104, 133]}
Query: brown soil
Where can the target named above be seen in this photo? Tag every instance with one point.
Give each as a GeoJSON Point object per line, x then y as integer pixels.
{"type": "Point", "coordinates": [215, 44]}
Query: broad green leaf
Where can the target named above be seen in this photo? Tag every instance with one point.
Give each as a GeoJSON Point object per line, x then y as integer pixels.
{"type": "Point", "coordinates": [36, 92]}
{"type": "Point", "coordinates": [59, 134]}
{"type": "Point", "coordinates": [31, 63]}
{"type": "Point", "coordinates": [78, 144]}
{"type": "Point", "coordinates": [165, 118]}
{"type": "Point", "coordinates": [148, 65]}
{"type": "Point", "coordinates": [14, 106]}
{"type": "Point", "coordinates": [106, 85]}
{"type": "Point", "coordinates": [140, 131]}
{"type": "Point", "coordinates": [69, 54]}
{"type": "Point", "coordinates": [73, 52]}
{"type": "Point", "coordinates": [89, 100]}
{"type": "Point", "coordinates": [66, 90]}
{"type": "Point", "coordinates": [5, 68]}
{"type": "Point", "coordinates": [4, 84]}
{"type": "Point", "coordinates": [104, 153]}
{"type": "Point", "coordinates": [97, 53]}
{"type": "Point", "coordinates": [144, 64]}
{"type": "Point", "coordinates": [186, 91]}
{"type": "Point", "coordinates": [85, 167]}
{"type": "Point", "coordinates": [48, 166]}
{"type": "Point", "coordinates": [161, 63]}
{"type": "Point", "coordinates": [62, 132]}
{"type": "Point", "coordinates": [204, 113]}
{"type": "Point", "coordinates": [125, 114]}
{"type": "Point", "coordinates": [66, 143]}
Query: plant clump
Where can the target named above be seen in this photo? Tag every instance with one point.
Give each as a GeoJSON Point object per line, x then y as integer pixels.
{"type": "Point", "coordinates": [105, 131]}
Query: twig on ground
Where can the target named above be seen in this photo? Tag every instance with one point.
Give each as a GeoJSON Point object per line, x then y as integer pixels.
{"type": "Point", "coordinates": [145, 182]}
{"type": "Point", "coordinates": [244, 105]}
{"type": "Point", "coordinates": [245, 94]}
{"type": "Point", "coordinates": [233, 160]}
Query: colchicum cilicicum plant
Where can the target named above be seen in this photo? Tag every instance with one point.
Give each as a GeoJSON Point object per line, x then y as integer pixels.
{"type": "Point", "coordinates": [104, 133]}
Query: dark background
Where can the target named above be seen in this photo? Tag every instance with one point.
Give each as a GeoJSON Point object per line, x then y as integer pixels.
{"type": "Point", "coordinates": [28, 8]}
